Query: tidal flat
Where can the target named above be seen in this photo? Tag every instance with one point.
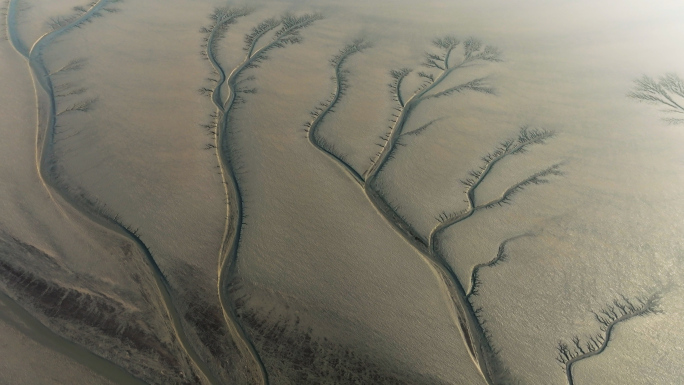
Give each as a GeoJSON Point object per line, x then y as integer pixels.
{"type": "Point", "coordinates": [315, 192]}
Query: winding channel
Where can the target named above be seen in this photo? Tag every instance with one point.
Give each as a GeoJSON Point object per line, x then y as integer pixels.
{"type": "Point", "coordinates": [647, 306]}
{"type": "Point", "coordinates": [45, 136]}
{"type": "Point", "coordinates": [466, 319]}
{"type": "Point", "coordinates": [228, 253]}
{"type": "Point", "coordinates": [234, 207]}
{"type": "Point", "coordinates": [464, 315]}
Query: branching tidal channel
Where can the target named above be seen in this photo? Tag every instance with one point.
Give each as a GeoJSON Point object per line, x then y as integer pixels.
{"type": "Point", "coordinates": [59, 191]}
{"type": "Point", "coordinates": [438, 66]}
{"type": "Point", "coordinates": [231, 86]}
{"type": "Point", "coordinates": [268, 35]}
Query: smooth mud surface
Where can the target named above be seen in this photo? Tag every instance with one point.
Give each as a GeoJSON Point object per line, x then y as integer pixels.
{"type": "Point", "coordinates": [315, 192]}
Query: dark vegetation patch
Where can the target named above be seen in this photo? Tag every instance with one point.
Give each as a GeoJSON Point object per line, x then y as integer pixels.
{"type": "Point", "coordinates": [106, 315]}
{"type": "Point", "coordinates": [295, 353]}
{"type": "Point", "coordinates": [209, 325]}
{"type": "Point", "coordinates": [205, 320]}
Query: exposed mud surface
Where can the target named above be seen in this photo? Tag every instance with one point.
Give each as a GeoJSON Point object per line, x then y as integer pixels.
{"type": "Point", "coordinates": [123, 331]}
{"type": "Point", "coordinates": [475, 196]}
{"type": "Point", "coordinates": [295, 351]}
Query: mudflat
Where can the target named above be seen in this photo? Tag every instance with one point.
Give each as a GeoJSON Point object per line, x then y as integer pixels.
{"type": "Point", "coordinates": [306, 192]}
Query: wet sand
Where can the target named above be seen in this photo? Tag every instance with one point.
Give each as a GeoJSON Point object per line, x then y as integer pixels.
{"type": "Point", "coordinates": [175, 172]}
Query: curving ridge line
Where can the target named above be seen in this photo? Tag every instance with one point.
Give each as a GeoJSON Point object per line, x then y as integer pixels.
{"type": "Point", "coordinates": [465, 317]}
{"type": "Point", "coordinates": [649, 305]}
{"type": "Point", "coordinates": [45, 155]}
{"type": "Point", "coordinates": [234, 208]}
{"type": "Point", "coordinates": [228, 253]}
{"type": "Point", "coordinates": [470, 327]}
